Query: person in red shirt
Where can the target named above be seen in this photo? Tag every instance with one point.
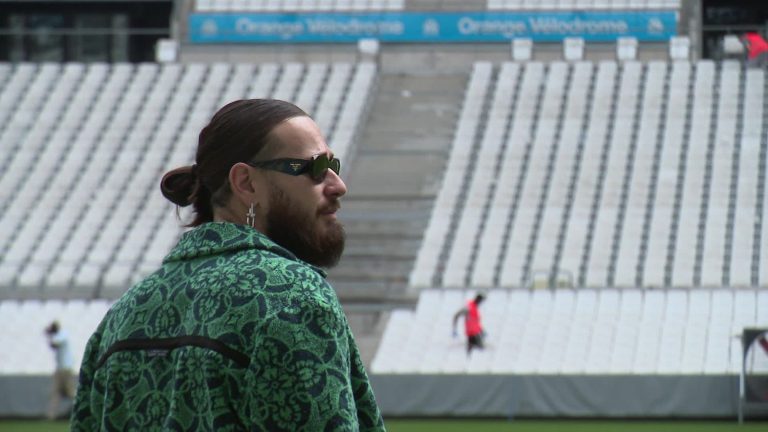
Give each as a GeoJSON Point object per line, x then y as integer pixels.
{"type": "Point", "coordinates": [757, 49]}
{"type": "Point", "coordinates": [473, 327]}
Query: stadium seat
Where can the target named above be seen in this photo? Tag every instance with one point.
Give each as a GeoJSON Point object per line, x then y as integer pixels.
{"type": "Point", "coordinates": [522, 49]}
{"type": "Point", "coordinates": [718, 195]}
{"type": "Point", "coordinates": [679, 48]}
{"type": "Point", "coordinates": [431, 246]}
{"type": "Point", "coordinates": [573, 48]}
{"type": "Point", "coordinates": [665, 181]}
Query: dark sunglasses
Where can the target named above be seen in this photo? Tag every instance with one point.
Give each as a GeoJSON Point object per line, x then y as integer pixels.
{"type": "Point", "coordinates": [317, 167]}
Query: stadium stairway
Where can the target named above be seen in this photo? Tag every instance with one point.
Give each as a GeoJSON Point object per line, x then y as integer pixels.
{"type": "Point", "coordinates": [393, 176]}
{"type": "Point", "coordinates": [392, 180]}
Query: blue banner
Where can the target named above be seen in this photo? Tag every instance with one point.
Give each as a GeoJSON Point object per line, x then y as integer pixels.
{"type": "Point", "coordinates": [419, 27]}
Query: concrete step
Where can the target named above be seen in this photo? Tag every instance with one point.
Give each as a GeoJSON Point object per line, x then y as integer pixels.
{"type": "Point", "coordinates": [392, 182]}
{"type": "Point", "coordinates": [381, 246]}
{"type": "Point", "coordinates": [368, 328]}
{"type": "Point", "coordinates": [390, 269]}
{"type": "Point", "coordinates": [377, 207]}
{"type": "Point", "coordinates": [367, 291]}
{"type": "Point", "coordinates": [404, 229]}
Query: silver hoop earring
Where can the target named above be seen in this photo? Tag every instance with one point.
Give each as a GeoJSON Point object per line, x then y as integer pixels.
{"type": "Point", "coordinates": [250, 217]}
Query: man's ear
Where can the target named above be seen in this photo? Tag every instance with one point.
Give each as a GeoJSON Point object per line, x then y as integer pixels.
{"type": "Point", "coordinates": [243, 183]}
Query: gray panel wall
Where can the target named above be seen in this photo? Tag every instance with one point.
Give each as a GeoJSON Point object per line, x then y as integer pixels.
{"type": "Point", "coordinates": [508, 396]}
{"type": "Point", "coordinates": [662, 396]}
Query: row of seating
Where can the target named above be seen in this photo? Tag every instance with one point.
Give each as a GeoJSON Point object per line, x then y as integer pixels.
{"type": "Point", "coordinates": [89, 143]}
{"type": "Point", "coordinates": [604, 174]}
{"type": "Point", "coordinates": [297, 5]}
{"type": "Point", "coordinates": [569, 5]}
{"type": "Point", "coordinates": [578, 332]}
{"type": "Point", "coordinates": [396, 5]}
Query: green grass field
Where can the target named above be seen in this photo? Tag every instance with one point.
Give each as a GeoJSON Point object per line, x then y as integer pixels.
{"type": "Point", "coordinates": [492, 426]}
{"type": "Point", "coordinates": [568, 426]}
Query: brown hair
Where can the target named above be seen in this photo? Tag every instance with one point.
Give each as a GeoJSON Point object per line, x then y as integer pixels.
{"type": "Point", "coordinates": [236, 133]}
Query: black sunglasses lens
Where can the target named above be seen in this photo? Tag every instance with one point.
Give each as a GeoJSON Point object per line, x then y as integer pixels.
{"type": "Point", "coordinates": [335, 165]}
{"type": "Point", "coordinates": [320, 167]}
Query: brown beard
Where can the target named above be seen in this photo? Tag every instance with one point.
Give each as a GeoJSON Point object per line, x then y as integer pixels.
{"type": "Point", "coordinates": [300, 234]}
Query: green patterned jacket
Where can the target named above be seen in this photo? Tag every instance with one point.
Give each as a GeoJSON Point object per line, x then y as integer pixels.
{"type": "Point", "coordinates": [232, 333]}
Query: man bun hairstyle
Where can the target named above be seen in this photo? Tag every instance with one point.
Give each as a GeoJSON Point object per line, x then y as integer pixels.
{"type": "Point", "coordinates": [236, 133]}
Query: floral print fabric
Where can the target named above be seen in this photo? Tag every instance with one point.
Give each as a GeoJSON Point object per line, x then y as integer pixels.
{"type": "Point", "coordinates": [232, 333]}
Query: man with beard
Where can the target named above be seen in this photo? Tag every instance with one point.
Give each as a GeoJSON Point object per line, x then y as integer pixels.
{"type": "Point", "coordinates": [238, 329]}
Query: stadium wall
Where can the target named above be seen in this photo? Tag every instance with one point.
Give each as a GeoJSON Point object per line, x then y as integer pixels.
{"type": "Point", "coordinates": [25, 395]}
{"type": "Point", "coordinates": [509, 396]}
